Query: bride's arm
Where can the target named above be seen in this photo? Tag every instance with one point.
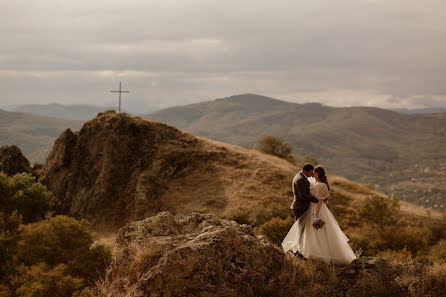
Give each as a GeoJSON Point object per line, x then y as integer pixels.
{"type": "Point", "coordinates": [320, 195]}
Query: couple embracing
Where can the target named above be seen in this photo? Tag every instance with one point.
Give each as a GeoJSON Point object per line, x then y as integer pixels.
{"type": "Point", "coordinates": [316, 233]}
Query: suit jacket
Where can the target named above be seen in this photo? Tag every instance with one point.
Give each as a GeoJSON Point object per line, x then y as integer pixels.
{"type": "Point", "coordinates": [302, 196]}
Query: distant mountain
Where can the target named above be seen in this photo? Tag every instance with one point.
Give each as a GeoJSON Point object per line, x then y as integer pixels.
{"type": "Point", "coordinates": [56, 110]}
{"type": "Point", "coordinates": [421, 110]}
{"type": "Point", "coordinates": [368, 145]}
{"type": "Point", "coordinates": [33, 134]}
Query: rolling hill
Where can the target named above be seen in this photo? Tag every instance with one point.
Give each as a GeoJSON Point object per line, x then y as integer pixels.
{"type": "Point", "coordinates": [420, 110]}
{"type": "Point", "coordinates": [405, 155]}
{"type": "Point", "coordinates": [33, 134]}
{"type": "Point", "coordinates": [56, 110]}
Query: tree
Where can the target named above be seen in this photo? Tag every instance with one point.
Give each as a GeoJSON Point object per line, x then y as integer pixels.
{"type": "Point", "coordinates": [277, 147]}
{"type": "Point", "coordinates": [22, 200]}
{"type": "Point", "coordinates": [379, 211]}
{"type": "Point", "coordinates": [22, 194]}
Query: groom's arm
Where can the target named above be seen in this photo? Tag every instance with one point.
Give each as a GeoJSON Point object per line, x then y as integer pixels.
{"type": "Point", "coordinates": [304, 191]}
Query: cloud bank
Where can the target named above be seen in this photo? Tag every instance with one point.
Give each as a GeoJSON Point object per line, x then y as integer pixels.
{"type": "Point", "coordinates": [173, 52]}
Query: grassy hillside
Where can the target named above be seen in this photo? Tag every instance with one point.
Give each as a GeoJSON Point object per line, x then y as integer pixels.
{"type": "Point", "coordinates": [368, 145]}
{"type": "Point", "coordinates": [33, 134]}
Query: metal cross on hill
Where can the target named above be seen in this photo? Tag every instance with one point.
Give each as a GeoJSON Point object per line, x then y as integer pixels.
{"type": "Point", "coordinates": [120, 92]}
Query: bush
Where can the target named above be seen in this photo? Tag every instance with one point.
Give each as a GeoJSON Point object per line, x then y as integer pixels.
{"type": "Point", "coordinates": [259, 215]}
{"type": "Point", "coordinates": [23, 194]}
{"type": "Point", "coordinates": [22, 199]}
{"type": "Point", "coordinates": [308, 159]}
{"type": "Point", "coordinates": [438, 252]}
{"type": "Point", "coordinates": [62, 240]}
{"type": "Point", "coordinates": [276, 229]}
{"type": "Point", "coordinates": [8, 243]}
{"type": "Point", "coordinates": [396, 256]}
{"type": "Point", "coordinates": [399, 238]}
{"type": "Point", "coordinates": [277, 147]}
{"type": "Point", "coordinates": [379, 211]}
{"type": "Point", "coordinates": [42, 280]}
{"type": "Point", "coordinates": [435, 230]}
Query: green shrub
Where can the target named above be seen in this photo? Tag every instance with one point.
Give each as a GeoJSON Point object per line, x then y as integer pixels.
{"type": "Point", "coordinates": [42, 280]}
{"type": "Point", "coordinates": [435, 230]}
{"type": "Point", "coordinates": [399, 238]}
{"type": "Point", "coordinates": [62, 240]}
{"type": "Point", "coordinates": [370, 186]}
{"type": "Point", "coordinates": [277, 147]}
{"type": "Point", "coordinates": [23, 194]}
{"type": "Point", "coordinates": [275, 229]}
{"type": "Point", "coordinates": [379, 211]}
{"type": "Point", "coordinates": [8, 243]}
{"type": "Point", "coordinates": [259, 215]}
{"type": "Point", "coordinates": [438, 252]}
{"type": "Point", "coordinates": [373, 242]}
{"type": "Point", "coordinates": [308, 159]}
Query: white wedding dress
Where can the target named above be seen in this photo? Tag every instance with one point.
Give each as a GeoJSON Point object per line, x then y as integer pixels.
{"type": "Point", "coordinates": [328, 243]}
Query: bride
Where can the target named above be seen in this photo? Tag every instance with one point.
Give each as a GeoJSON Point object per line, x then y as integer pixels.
{"type": "Point", "coordinates": [327, 243]}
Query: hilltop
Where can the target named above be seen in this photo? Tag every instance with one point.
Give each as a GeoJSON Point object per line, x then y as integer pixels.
{"type": "Point", "coordinates": [33, 134]}
{"type": "Point", "coordinates": [120, 168]}
{"type": "Point", "coordinates": [367, 145]}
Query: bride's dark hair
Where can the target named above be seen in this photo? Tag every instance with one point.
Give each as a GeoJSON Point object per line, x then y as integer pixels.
{"type": "Point", "coordinates": [321, 175]}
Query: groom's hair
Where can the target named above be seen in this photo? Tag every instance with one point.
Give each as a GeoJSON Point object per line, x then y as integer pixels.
{"type": "Point", "coordinates": [307, 167]}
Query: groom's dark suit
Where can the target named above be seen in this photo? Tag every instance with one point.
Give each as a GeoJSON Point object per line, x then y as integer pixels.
{"type": "Point", "coordinates": [302, 196]}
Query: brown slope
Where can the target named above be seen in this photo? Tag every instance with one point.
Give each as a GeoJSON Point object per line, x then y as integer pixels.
{"type": "Point", "coordinates": [368, 145]}
{"type": "Point", "coordinates": [119, 168]}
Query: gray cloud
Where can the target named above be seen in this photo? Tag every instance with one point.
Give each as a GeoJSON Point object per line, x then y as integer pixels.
{"type": "Point", "coordinates": [344, 52]}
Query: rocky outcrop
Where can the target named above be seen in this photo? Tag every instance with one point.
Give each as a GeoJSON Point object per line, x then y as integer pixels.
{"type": "Point", "coordinates": [119, 168]}
{"type": "Point", "coordinates": [116, 167]}
{"type": "Point", "coordinates": [203, 255]}
{"type": "Point", "coordinates": [196, 255]}
{"type": "Point", "coordinates": [12, 160]}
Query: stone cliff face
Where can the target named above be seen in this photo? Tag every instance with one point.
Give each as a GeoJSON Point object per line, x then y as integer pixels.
{"type": "Point", "coordinates": [119, 168]}
{"type": "Point", "coordinates": [12, 160]}
{"type": "Point", "coordinates": [196, 255]}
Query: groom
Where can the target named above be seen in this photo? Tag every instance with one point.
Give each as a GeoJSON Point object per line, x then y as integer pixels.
{"type": "Point", "coordinates": [301, 191]}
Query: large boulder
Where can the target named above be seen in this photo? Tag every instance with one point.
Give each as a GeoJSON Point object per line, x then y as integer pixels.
{"type": "Point", "coordinates": [195, 255]}
{"type": "Point", "coordinates": [12, 160]}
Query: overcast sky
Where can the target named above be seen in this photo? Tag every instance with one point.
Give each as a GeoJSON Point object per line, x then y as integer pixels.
{"type": "Point", "coordinates": [386, 53]}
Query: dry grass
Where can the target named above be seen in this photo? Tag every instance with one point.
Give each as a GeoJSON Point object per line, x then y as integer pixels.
{"type": "Point", "coordinates": [144, 257]}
